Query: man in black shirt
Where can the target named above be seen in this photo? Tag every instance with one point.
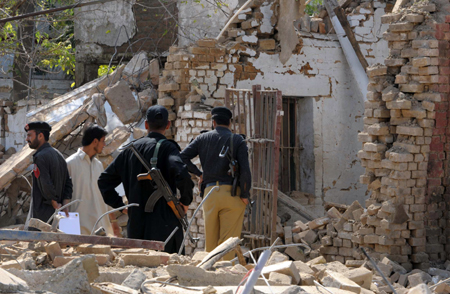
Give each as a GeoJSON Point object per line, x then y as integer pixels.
{"type": "Point", "coordinates": [52, 186]}
{"type": "Point", "coordinates": [156, 225]}
{"type": "Point", "coordinates": [223, 213]}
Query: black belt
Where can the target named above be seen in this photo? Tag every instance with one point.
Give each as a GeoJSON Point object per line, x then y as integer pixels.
{"type": "Point", "coordinates": [218, 184]}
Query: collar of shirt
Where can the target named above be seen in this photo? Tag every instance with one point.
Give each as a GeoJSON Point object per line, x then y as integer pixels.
{"type": "Point", "coordinates": [223, 130]}
{"type": "Point", "coordinates": [156, 135]}
{"type": "Point", "coordinates": [80, 153]}
{"type": "Point", "coordinates": [44, 146]}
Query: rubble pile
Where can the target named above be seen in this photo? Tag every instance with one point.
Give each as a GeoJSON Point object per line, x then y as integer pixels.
{"type": "Point", "coordinates": [86, 268]}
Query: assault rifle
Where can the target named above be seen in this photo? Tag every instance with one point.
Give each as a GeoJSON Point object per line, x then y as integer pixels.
{"type": "Point", "coordinates": [162, 189]}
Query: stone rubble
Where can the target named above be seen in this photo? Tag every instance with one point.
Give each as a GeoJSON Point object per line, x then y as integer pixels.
{"type": "Point", "coordinates": [85, 271]}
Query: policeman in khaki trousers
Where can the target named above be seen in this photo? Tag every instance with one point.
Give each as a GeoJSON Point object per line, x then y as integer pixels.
{"type": "Point", "coordinates": [223, 211]}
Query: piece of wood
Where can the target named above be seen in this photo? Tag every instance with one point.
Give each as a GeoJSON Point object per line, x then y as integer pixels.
{"type": "Point", "coordinates": [79, 239]}
{"type": "Point", "coordinates": [295, 206]}
{"type": "Point", "coordinates": [398, 5]}
{"type": "Point", "coordinates": [240, 256]}
{"type": "Point", "coordinates": [350, 35]}
{"type": "Point", "coordinates": [342, 3]}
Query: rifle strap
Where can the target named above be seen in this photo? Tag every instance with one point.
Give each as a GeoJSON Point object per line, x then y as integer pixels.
{"type": "Point", "coordinates": [154, 159]}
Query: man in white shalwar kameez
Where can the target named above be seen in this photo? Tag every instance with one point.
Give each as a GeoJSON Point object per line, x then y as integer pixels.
{"type": "Point", "coordinates": [85, 169]}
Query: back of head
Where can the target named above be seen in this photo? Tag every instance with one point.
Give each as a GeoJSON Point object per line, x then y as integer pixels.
{"type": "Point", "coordinates": [91, 133]}
{"type": "Point", "coordinates": [157, 118]}
{"type": "Point", "coordinates": [221, 115]}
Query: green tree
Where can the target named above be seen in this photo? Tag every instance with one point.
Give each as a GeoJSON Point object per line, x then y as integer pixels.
{"type": "Point", "coordinates": [42, 43]}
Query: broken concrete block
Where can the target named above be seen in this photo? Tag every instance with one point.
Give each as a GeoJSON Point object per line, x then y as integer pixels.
{"type": "Point", "coordinates": [438, 272]}
{"type": "Point", "coordinates": [194, 276]}
{"type": "Point", "coordinates": [135, 279]}
{"type": "Point", "coordinates": [307, 279]}
{"type": "Point", "coordinates": [123, 103]}
{"type": "Point", "coordinates": [333, 213]}
{"type": "Point", "coordinates": [199, 255]}
{"type": "Point", "coordinates": [136, 71]}
{"type": "Point", "coordinates": [295, 253]}
{"type": "Point", "coordinates": [420, 289]}
{"type": "Point", "coordinates": [308, 236]}
{"type": "Point", "coordinates": [153, 259]}
{"type": "Point", "coordinates": [286, 267]}
{"type": "Point", "coordinates": [395, 266]}
{"type": "Point", "coordinates": [386, 269]}
{"type": "Point", "coordinates": [280, 278]}
{"type": "Point", "coordinates": [9, 283]}
{"type": "Point", "coordinates": [62, 260]}
{"type": "Point", "coordinates": [97, 109]}
{"type": "Point", "coordinates": [303, 267]}
{"type": "Point", "coordinates": [360, 276]}
{"type": "Point", "coordinates": [277, 257]}
{"type": "Point", "coordinates": [95, 249]}
{"type": "Point", "coordinates": [318, 222]}
{"type": "Point", "coordinates": [337, 280]}
{"type": "Point", "coordinates": [317, 260]}
{"type": "Point", "coordinates": [147, 97]}
{"type": "Point", "coordinates": [154, 71]}
{"type": "Point", "coordinates": [419, 278]}
{"type": "Point", "coordinates": [299, 226]}
{"type": "Point", "coordinates": [115, 139]}
{"type": "Point", "coordinates": [53, 250]}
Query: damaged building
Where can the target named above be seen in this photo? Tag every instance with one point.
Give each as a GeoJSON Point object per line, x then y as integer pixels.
{"type": "Point", "coordinates": [342, 162]}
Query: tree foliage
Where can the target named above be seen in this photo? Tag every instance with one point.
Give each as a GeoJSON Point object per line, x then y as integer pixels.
{"type": "Point", "coordinates": [52, 42]}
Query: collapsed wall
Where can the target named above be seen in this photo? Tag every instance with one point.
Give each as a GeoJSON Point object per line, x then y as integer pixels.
{"type": "Point", "coordinates": [404, 145]}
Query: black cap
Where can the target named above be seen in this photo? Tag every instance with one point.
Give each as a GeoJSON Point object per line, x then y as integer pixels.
{"type": "Point", "coordinates": [38, 126]}
{"type": "Point", "coordinates": [157, 114]}
{"type": "Point", "coordinates": [222, 112]}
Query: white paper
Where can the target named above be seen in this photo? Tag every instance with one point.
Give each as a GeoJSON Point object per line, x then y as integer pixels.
{"type": "Point", "coordinates": [70, 225]}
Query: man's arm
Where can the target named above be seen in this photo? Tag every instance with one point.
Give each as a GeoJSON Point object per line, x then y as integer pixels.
{"type": "Point", "coordinates": [179, 171]}
{"type": "Point", "coordinates": [187, 154]}
{"type": "Point", "coordinates": [245, 177]}
{"type": "Point", "coordinates": [44, 180]}
{"type": "Point", "coordinates": [108, 181]}
{"type": "Point", "coordinates": [68, 188]}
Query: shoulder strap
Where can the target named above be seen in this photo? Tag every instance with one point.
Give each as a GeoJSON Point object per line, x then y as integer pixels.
{"type": "Point", "coordinates": [154, 159]}
{"type": "Point", "coordinates": [231, 144]}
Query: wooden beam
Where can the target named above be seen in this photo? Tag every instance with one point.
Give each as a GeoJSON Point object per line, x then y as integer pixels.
{"type": "Point", "coordinates": [294, 205]}
{"type": "Point", "coordinates": [28, 236]}
{"type": "Point", "coordinates": [342, 3]}
{"type": "Point", "coordinates": [398, 5]}
{"type": "Point", "coordinates": [334, 9]}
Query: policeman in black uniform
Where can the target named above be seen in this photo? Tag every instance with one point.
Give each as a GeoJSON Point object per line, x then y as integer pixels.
{"type": "Point", "coordinates": [52, 186]}
{"type": "Point", "coordinates": [156, 225]}
{"type": "Point", "coordinates": [223, 212]}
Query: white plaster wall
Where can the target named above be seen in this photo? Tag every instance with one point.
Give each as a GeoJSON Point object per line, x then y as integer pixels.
{"type": "Point", "coordinates": [200, 19]}
{"type": "Point", "coordinates": [106, 23]}
{"type": "Point", "coordinates": [337, 113]}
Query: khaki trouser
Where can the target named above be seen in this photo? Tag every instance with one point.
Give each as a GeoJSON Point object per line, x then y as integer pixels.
{"type": "Point", "coordinates": [223, 216]}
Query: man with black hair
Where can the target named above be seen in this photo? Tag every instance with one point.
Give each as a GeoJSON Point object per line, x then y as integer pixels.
{"type": "Point", "coordinates": [156, 225]}
{"type": "Point", "coordinates": [52, 186]}
{"type": "Point", "coordinates": [85, 169]}
{"type": "Point", "coordinates": [223, 212]}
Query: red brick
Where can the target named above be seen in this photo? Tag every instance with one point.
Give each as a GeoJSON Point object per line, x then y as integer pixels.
{"type": "Point", "coordinates": [434, 182]}
{"type": "Point", "coordinates": [447, 18]}
{"type": "Point", "coordinates": [435, 169]}
{"type": "Point", "coordinates": [437, 146]}
{"type": "Point", "coordinates": [444, 70]}
{"type": "Point", "coordinates": [444, 88]}
{"type": "Point", "coordinates": [444, 62]}
{"type": "Point", "coordinates": [443, 79]}
{"type": "Point", "coordinates": [441, 106]}
{"type": "Point", "coordinates": [439, 131]}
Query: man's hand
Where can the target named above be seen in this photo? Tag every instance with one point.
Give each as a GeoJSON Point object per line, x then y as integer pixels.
{"type": "Point", "coordinates": [200, 181]}
{"type": "Point", "coordinates": [116, 230]}
{"type": "Point", "coordinates": [56, 205]}
{"type": "Point", "coordinates": [66, 210]}
{"type": "Point", "coordinates": [185, 207]}
{"type": "Point", "coordinates": [125, 211]}
{"type": "Point", "coordinates": [245, 200]}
